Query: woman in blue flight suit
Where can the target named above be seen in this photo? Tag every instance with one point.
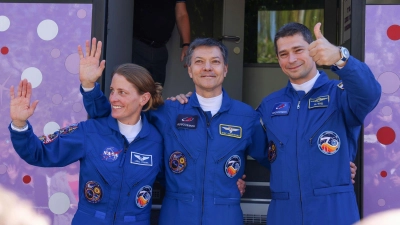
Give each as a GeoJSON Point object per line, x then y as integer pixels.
{"type": "Point", "coordinates": [120, 155]}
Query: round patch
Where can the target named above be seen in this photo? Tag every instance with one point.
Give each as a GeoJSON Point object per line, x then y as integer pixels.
{"type": "Point", "coordinates": [177, 162]}
{"type": "Point", "coordinates": [110, 154]}
{"type": "Point", "coordinates": [272, 153]}
{"type": "Point", "coordinates": [328, 142]}
{"type": "Point", "coordinates": [232, 166]}
{"type": "Point", "coordinates": [93, 192]}
{"type": "Point", "coordinates": [143, 196]}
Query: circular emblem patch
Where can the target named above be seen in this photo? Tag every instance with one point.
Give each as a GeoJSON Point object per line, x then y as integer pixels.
{"type": "Point", "coordinates": [110, 154]}
{"type": "Point", "coordinates": [328, 142]}
{"type": "Point", "coordinates": [93, 192]}
{"type": "Point", "coordinates": [177, 162]}
{"type": "Point", "coordinates": [143, 196]}
{"type": "Point", "coordinates": [272, 153]}
{"type": "Point", "coordinates": [232, 166]}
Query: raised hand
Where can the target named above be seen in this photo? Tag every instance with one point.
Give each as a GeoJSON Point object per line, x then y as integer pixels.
{"type": "Point", "coordinates": [20, 107]}
{"type": "Point", "coordinates": [321, 50]}
{"type": "Point", "coordinates": [90, 67]}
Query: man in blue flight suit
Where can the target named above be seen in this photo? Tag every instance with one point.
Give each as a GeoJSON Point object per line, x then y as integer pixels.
{"type": "Point", "coordinates": [206, 142]}
{"type": "Point", "coordinates": [312, 126]}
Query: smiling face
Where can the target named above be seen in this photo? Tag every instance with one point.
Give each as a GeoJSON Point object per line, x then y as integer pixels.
{"type": "Point", "coordinates": [294, 58]}
{"type": "Point", "coordinates": [208, 70]}
{"type": "Point", "coordinates": [126, 102]}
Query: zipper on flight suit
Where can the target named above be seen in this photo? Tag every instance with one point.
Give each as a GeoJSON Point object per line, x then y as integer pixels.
{"type": "Point", "coordinates": [205, 162]}
{"type": "Point", "coordinates": [297, 156]}
{"type": "Point", "coordinates": [121, 163]}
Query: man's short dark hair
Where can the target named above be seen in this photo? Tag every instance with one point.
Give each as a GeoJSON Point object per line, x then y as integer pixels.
{"type": "Point", "coordinates": [209, 42]}
{"type": "Point", "coordinates": [291, 29]}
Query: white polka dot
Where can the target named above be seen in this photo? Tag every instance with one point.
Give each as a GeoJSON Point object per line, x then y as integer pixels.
{"type": "Point", "coordinates": [33, 75]}
{"type": "Point", "coordinates": [50, 128]}
{"type": "Point", "coordinates": [4, 23]}
{"type": "Point", "coordinates": [390, 82]}
{"type": "Point", "coordinates": [47, 30]}
{"type": "Point", "coordinates": [381, 202]}
{"type": "Point", "coordinates": [59, 203]}
{"type": "Point", "coordinates": [386, 110]}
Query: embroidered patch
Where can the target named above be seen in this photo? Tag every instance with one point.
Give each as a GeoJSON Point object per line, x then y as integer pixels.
{"type": "Point", "coordinates": [320, 102]}
{"type": "Point", "coordinates": [232, 166]}
{"type": "Point", "coordinates": [272, 153]}
{"type": "Point", "coordinates": [187, 121]}
{"type": "Point", "coordinates": [110, 154]}
{"type": "Point", "coordinates": [230, 131]}
{"type": "Point", "coordinates": [281, 109]}
{"type": "Point", "coordinates": [141, 159]}
{"type": "Point", "coordinates": [177, 162]}
{"type": "Point", "coordinates": [328, 142]}
{"type": "Point", "coordinates": [69, 129]}
{"type": "Point", "coordinates": [49, 138]}
{"type": "Point", "coordinates": [340, 85]}
{"type": "Point", "coordinates": [143, 196]}
{"type": "Point", "coordinates": [93, 192]}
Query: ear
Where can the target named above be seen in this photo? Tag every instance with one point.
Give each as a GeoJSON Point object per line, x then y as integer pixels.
{"type": "Point", "coordinates": [225, 70]}
{"type": "Point", "coordinates": [145, 98]}
{"type": "Point", "coordinates": [190, 72]}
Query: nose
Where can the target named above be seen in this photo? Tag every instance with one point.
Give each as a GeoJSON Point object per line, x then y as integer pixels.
{"type": "Point", "coordinates": [207, 65]}
{"type": "Point", "coordinates": [292, 57]}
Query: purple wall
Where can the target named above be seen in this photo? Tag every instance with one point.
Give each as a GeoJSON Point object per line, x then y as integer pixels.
{"type": "Point", "coordinates": [381, 145]}
{"type": "Point", "coordinates": [39, 42]}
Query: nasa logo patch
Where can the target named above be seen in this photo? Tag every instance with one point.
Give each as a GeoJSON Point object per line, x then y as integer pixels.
{"type": "Point", "coordinates": [143, 196]}
{"type": "Point", "coordinates": [177, 162]}
{"type": "Point", "coordinates": [93, 192]}
{"type": "Point", "coordinates": [232, 166]}
{"type": "Point", "coordinates": [328, 142]}
{"type": "Point", "coordinates": [110, 154]}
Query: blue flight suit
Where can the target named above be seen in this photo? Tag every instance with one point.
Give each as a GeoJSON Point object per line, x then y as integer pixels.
{"type": "Point", "coordinates": [116, 177]}
{"type": "Point", "coordinates": [312, 138]}
{"type": "Point", "coordinates": [204, 156]}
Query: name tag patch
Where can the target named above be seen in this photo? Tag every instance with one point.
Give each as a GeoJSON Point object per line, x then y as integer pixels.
{"type": "Point", "coordinates": [141, 159]}
{"type": "Point", "coordinates": [187, 121]}
{"type": "Point", "coordinates": [230, 130]}
{"type": "Point", "coordinates": [320, 102]}
{"type": "Point", "coordinates": [281, 109]}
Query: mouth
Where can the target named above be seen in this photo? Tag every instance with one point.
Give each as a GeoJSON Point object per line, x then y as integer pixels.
{"type": "Point", "coordinates": [295, 67]}
{"type": "Point", "coordinates": [116, 107]}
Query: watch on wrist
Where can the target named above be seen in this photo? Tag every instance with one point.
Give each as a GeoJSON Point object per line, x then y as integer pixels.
{"type": "Point", "coordinates": [344, 54]}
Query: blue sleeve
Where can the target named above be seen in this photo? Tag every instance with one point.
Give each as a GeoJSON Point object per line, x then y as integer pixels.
{"type": "Point", "coordinates": [96, 104]}
{"type": "Point", "coordinates": [259, 146]}
{"type": "Point", "coordinates": [56, 150]}
{"type": "Point", "coordinates": [361, 91]}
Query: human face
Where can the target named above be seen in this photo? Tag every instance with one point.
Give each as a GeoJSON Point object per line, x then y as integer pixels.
{"type": "Point", "coordinates": [294, 59]}
{"type": "Point", "coordinates": [208, 71]}
{"type": "Point", "coordinates": [126, 102]}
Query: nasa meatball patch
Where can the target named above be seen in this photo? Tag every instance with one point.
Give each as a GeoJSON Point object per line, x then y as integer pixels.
{"type": "Point", "coordinates": [110, 154]}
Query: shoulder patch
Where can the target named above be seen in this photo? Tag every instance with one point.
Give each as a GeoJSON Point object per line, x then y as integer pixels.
{"type": "Point", "coordinates": [340, 85]}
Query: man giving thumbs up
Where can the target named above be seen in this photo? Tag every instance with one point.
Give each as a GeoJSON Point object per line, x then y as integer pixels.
{"type": "Point", "coordinates": [312, 126]}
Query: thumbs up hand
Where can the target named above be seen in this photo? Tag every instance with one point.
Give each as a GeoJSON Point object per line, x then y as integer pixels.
{"type": "Point", "coordinates": [321, 50]}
